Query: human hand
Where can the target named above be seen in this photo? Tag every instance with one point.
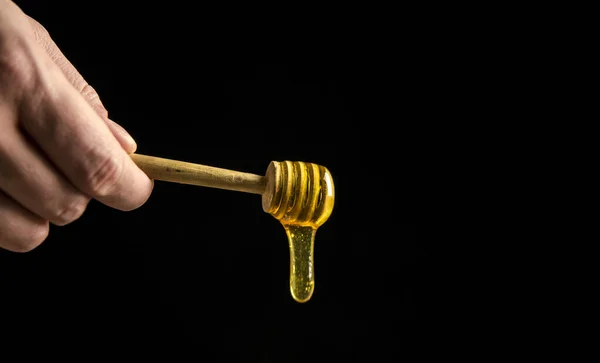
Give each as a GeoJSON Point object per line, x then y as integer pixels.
{"type": "Point", "coordinates": [58, 149]}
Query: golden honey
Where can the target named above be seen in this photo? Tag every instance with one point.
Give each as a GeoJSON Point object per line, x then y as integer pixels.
{"type": "Point", "coordinates": [301, 196]}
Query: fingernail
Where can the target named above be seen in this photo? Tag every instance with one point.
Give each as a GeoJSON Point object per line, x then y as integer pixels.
{"type": "Point", "coordinates": [125, 135]}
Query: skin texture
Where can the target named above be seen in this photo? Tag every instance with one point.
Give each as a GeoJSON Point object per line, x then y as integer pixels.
{"type": "Point", "coordinates": [58, 148]}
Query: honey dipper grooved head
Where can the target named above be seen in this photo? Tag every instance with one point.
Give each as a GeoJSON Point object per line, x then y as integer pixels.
{"type": "Point", "coordinates": [299, 193]}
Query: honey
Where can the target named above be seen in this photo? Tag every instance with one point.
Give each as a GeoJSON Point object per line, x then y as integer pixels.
{"type": "Point", "coordinates": [298, 194]}
{"type": "Point", "coordinates": [301, 196]}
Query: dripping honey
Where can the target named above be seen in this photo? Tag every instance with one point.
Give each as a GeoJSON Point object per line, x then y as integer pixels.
{"type": "Point", "coordinates": [301, 197]}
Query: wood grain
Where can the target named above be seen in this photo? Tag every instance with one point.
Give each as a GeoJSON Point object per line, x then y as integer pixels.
{"type": "Point", "coordinates": [201, 175]}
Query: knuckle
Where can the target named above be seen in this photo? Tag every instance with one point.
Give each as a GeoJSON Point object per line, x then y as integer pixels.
{"type": "Point", "coordinates": [104, 177]}
{"type": "Point", "coordinates": [89, 93]}
{"type": "Point", "coordinates": [92, 97]}
{"type": "Point", "coordinates": [18, 70]}
{"type": "Point", "coordinates": [40, 32]}
{"type": "Point", "coordinates": [15, 66]}
{"type": "Point", "coordinates": [70, 211]}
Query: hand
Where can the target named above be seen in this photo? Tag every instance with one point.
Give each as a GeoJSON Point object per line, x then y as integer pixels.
{"type": "Point", "coordinates": [58, 149]}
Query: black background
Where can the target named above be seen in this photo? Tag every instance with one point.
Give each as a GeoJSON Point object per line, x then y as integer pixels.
{"type": "Point", "coordinates": [204, 272]}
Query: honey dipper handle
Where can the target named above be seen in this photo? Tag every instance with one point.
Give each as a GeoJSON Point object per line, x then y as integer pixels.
{"type": "Point", "coordinates": [195, 174]}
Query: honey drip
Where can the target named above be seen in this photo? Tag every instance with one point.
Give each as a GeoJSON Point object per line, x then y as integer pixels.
{"type": "Point", "coordinates": [302, 200]}
{"type": "Point", "coordinates": [301, 242]}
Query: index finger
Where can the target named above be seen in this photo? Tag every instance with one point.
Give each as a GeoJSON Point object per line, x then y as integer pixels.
{"type": "Point", "coordinates": [79, 143]}
{"type": "Point", "coordinates": [44, 39]}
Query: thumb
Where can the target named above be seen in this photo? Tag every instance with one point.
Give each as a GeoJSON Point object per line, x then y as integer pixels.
{"type": "Point", "coordinates": [91, 96]}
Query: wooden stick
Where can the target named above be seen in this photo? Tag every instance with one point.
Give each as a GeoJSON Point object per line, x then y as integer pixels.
{"type": "Point", "coordinates": [201, 175]}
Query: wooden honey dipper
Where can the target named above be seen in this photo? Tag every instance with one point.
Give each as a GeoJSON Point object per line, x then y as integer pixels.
{"type": "Point", "coordinates": [300, 195]}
